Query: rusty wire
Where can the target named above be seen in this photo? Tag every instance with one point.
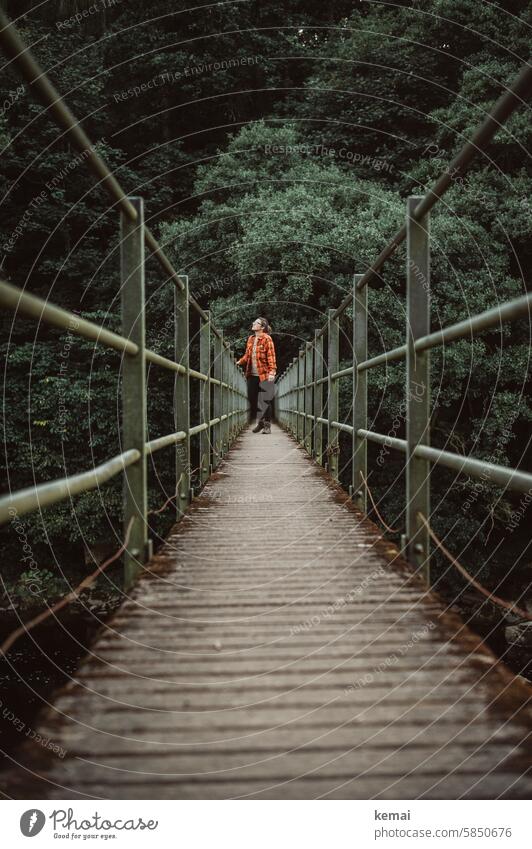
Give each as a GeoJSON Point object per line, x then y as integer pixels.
{"type": "Point", "coordinates": [501, 602]}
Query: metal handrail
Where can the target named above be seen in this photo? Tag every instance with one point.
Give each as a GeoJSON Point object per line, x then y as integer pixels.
{"type": "Point", "coordinates": [227, 385]}
{"type": "Point", "coordinates": [45, 494]}
{"type": "Point", "coordinates": [300, 395]}
{"type": "Point", "coordinates": [37, 308]}
{"type": "Point", "coordinates": [508, 102]}
{"type": "Point", "coordinates": [387, 357]}
{"type": "Point", "coordinates": [508, 311]}
{"type": "Point", "coordinates": [15, 48]}
{"type": "Point", "coordinates": [33, 307]}
{"type": "Point", "coordinates": [52, 492]}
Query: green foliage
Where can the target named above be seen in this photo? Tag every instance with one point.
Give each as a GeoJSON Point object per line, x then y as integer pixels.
{"type": "Point", "coordinates": [34, 587]}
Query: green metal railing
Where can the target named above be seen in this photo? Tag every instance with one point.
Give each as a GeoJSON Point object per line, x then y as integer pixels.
{"type": "Point", "coordinates": [221, 417]}
{"type": "Point", "coordinates": [313, 420]}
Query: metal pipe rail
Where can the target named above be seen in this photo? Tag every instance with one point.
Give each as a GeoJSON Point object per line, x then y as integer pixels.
{"type": "Point", "coordinates": [52, 492]}
{"type": "Point", "coordinates": [45, 494]}
{"type": "Point", "coordinates": [218, 369]}
{"type": "Point", "coordinates": [21, 56]}
{"type": "Point", "coordinates": [467, 328]}
{"type": "Point", "coordinates": [508, 102]}
{"type": "Point", "coordinates": [37, 308]}
{"type": "Point", "coordinates": [308, 426]}
{"type": "Point", "coordinates": [500, 475]}
{"type": "Point", "coordinates": [300, 396]}
{"type": "Point", "coordinates": [296, 396]}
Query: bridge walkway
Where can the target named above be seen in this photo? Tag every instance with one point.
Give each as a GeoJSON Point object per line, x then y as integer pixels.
{"type": "Point", "coordinates": [278, 647]}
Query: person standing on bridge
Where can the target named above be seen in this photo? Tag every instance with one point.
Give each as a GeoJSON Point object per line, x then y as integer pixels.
{"type": "Point", "coordinates": [261, 369]}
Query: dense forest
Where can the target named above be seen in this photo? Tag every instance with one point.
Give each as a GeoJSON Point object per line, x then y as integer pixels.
{"type": "Point", "coordinates": [274, 144]}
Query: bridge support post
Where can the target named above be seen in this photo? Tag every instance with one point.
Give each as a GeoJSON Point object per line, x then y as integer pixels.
{"type": "Point", "coordinates": [205, 397]}
{"type": "Point", "coordinates": [217, 401]}
{"type": "Point", "coordinates": [300, 421]}
{"type": "Point", "coordinates": [318, 397]}
{"type": "Point", "coordinates": [333, 447]}
{"type": "Point", "coordinates": [224, 400]}
{"type": "Point", "coordinates": [182, 398]}
{"type": "Point", "coordinates": [243, 401]}
{"type": "Point", "coordinates": [309, 424]}
{"type": "Point", "coordinates": [135, 493]}
{"type": "Point", "coordinates": [234, 419]}
{"type": "Point", "coordinates": [360, 393]}
{"type": "Point", "coordinates": [417, 388]}
{"type": "Point", "coordinates": [229, 407]}
{"type": "Point", "coordinates": [294, 418]}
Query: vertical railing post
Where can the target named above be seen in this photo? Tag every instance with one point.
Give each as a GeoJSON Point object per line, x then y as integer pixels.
{"type": "Point", "coordinates": [318, 396]}
{"type": "Point", "coordinates": [224, 399]}
{"type": "Point", "coordinates": [229, 394]}
{"type": "Point", "coordinates": [182, 398]}
{"type": "Point", "coordinates": [293, 397]}
{"type": "Point", "coordinates": [243, 400]}
{"type": "Point", "coordinates": [295, 394]}
{"type": "Point", "coordinates": [233, 421]}
{"type": "Point", "coordinates": [288, 390]}
{"type": "Point", "coordinates": [217, 401]}
{"type": "Point", "coordinates": [236, 398]}
{"type": "Point", "coordinates": [205, 397]}
{"type": "Point", "coordinates": [417, 387]}
{"type": "Point", "coordinates": [360, 394]}
{"type": "Point", "coordinates": [135, 494]}
{"type": "Point", "coordinates": [309, 424]}
{"type": "Point", "coordinates": [332, 405]}
{"type": "Point", "coordinates": [300, 425]}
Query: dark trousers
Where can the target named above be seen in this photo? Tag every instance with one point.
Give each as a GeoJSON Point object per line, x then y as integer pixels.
{"type": "Point", "coordinates": [258, 408]}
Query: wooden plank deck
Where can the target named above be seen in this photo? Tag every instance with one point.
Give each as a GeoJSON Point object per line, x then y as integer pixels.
{"type": "Point", "coordinates": [279, 648]}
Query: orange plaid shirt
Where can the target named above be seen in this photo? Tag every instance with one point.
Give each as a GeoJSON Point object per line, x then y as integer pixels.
{"type": "Point", "coordinates": [266, 363]}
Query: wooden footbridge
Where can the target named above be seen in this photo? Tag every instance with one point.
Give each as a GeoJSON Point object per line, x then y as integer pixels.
{"type": "Point", "coordinates": [277, 646]}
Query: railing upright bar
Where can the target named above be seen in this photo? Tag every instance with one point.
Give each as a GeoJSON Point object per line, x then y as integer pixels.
{"type": "Point", "coordinates": [417, 388]}
{"type": "Point", "coordinates": [301, 406]}
{"type": "Point", "coordinates": [230, 421]}
{"type": "Point", "coordinates": [333, 448]}
{"type": "Point", "coordinates": [234, 420]}
{"type": "Point", "coordinates": [300, 427]}
{"type": "Point", "coordinates": [286, 397]}
{"type": "Point", "coordinates": [205, 397]}
{"type": "Point", "coordinates": [293, 397]}
{"type": "Point", "coordinates": [318, 397]}
{"type": "Point", "coordinates": [217, 402]}
{"type": "Point", "coordinates": [360, 394]}
{"type": "Point", "coordinates": [224, 405]}
{"type": "Point", "coordinates": [182, 398]}
{"type": "Point", "coordinates": [135, 489]}
{"type": "Point", "coordinates": [234, 397]}
{"type": "Point", "coordinates": [242, 403]}
{"type": "Point", "coordinates": [309, 424]}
